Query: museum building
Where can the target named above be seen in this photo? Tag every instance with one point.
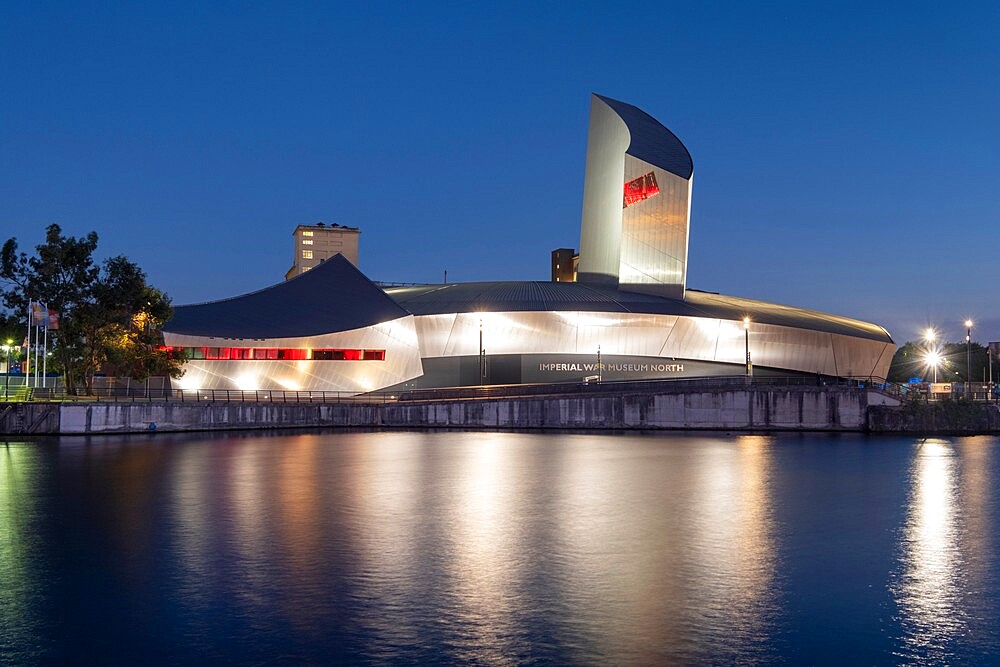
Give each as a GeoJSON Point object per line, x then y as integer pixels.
{"type": "Point", "coordinates": [627, 315]}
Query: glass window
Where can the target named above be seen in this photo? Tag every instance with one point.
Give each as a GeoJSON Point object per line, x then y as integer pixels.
{"type": "Point", "coordinates": [307, 254]}
{"type": "Point", "coordinates": [307, 241]}
{"type": "Point", "coordinates": [306, 232]}
{"type": "Point", "coordinates": [639, 189]}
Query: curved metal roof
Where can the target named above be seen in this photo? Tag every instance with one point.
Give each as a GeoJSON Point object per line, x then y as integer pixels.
{"type": "Point", "coordinates": [334, 296]}
{"type": "Point", "coordinates": [651, 141]}
{"type": "Point", "coordinates": [515, 296]}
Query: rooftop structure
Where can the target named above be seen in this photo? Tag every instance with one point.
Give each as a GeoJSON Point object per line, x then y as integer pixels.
{"type": "Point", "coordinates": [318, 243]}
{"type": "Point", "coordinates": [636, 202]}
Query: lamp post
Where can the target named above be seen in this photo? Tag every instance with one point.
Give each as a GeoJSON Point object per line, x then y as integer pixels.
{"type": "Point", "coordinates": [482, 356]}
{"type": "Point", "coordinates": [933, 360]}
{"type": "Point", "coordinates": [746, 337]}
{"type": "Point", "coordinates": [989, 365]}
{"type": "Point", "coordinates": [968, 357]}
{"type": "Point", "coordinates": [600, 366]}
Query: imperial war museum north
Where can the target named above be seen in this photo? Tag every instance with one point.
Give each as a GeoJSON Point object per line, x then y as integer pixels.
{"type": "Point", "coordinates": [620, 309]}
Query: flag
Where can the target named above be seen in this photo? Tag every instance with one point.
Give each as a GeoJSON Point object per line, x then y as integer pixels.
{"type": "Point", "coordinates": [53, 322]}
{"type": "Point", "coordinates": [36, 314]}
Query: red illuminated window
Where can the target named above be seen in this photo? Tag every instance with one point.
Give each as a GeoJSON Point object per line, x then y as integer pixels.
{"type": "Point", "coordinates": [639, 189]}
{"type": "Point", "coordinates": [273, 353]}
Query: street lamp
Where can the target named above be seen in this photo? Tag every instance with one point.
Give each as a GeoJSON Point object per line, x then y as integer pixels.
{"type": "Point", "coordinates": [968, 357]}
{"type": "Point", "coordinates": [933, 359]}
{"type": "Point", "coordinates": [482, 356]}
{"type": "Point", "coordinates": [932, 355]}
{"type": "Point", "coordinates": [746, 336]}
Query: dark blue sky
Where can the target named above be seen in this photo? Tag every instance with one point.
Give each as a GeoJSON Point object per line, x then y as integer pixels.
{"type": "Point", "coordinates": [846, 158]}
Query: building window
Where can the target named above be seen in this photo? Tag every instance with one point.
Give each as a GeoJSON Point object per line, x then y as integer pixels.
{"type": "Point", "coordinates": [306, 232]}
{"type": "Point", "coordinates": [639, 189]}
{"type": "Point", "coordinates": [307, 254]}
{"type": "Point", "coordinates": [271, 354]}
{"type": "Point", "coordinates": [307, 241]}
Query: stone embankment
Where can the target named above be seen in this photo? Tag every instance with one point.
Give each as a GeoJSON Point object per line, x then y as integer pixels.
{"type": "Point", "coordinates": [939, 418]}
{"type": "Point", "coordinates": [732, 408]}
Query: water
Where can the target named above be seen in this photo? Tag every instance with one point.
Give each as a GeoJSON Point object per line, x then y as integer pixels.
{"type": "Point", "coordinates": [488, 548]}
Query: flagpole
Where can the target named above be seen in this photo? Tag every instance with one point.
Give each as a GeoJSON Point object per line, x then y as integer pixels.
{"type": "Point", "coordinates": [45, 345]}
{"type": "Point", "coordinates": [27, 350]}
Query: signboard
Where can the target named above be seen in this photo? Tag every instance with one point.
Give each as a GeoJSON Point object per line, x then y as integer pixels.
{"type": "Point", "coordinates": [576, 367]}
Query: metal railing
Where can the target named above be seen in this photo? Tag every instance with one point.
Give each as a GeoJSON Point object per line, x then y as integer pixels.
{"type": "Point", "coordinates": [140, 395]}
{"type": "Point", "coordinates": [708, 383]}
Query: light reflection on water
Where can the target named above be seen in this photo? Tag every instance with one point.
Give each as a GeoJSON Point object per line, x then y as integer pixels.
{"type": "Point", "coordinates": [947, 552]}
{"type": "Point", "coordinates": [494, 548]}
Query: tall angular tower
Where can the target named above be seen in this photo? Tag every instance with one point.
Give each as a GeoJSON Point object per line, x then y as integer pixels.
{"type": "Point", "coordinates": [636, 202]}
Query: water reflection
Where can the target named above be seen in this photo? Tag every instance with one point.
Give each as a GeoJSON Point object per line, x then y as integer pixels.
{"type": "Point", "coordinates": [946, 552]}
{"type": "Point", "coordinates": [686, 543]}
{"type": "Point", "coordinates": [19, 620]}
{"type": "Point", "coordinates": [475, 547]}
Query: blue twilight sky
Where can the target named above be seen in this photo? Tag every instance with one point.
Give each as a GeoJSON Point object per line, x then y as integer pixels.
{"type": "Point", "coordinates": [846, 154]}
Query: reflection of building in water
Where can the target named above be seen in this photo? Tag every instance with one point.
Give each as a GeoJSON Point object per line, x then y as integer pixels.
{"type": "Point", "coordinates": [735, 552]}
{"type": "Point", "coordinates": [383, 491]}
{"type": "Point", "coordinates": [488, 564]}
{"type": "Point", "coordinates": [976, 486]}
{"type": "Point", "coordinates": [687, 541]}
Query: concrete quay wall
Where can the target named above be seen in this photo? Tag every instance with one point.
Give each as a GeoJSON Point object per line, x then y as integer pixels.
{"type": "Point", "coordinates": [729, 410]}
{"type": "Point", "coordinates": [752, 409]}
{"type": "Point", "coordinates": [941, 418]}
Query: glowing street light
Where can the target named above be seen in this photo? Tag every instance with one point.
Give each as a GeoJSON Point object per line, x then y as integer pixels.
{"type": "Point", "coordinates": [932, 353]}
{"type": "Point", "coordinates": [933, 359]}
{"type": "Point", "coordinates": [968, 355]}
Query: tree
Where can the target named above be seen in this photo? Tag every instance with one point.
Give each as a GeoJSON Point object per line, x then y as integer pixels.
{"type": "Point", "coordinates": [11, 330]}
{"type": "Point", "coordinates": [127, 314]}
{"type": "Point", "coordinates": [910, 361]}
{"type": "Point", "coordinates": [109, 314]}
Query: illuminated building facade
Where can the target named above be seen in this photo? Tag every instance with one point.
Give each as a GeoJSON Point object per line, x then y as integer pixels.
{"type": "Point", "coordinates": [329, 328]}
{"type": "Point", "coordinates": [634, 236]}
{"type": "Point", "coordinates": [630, 310]}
